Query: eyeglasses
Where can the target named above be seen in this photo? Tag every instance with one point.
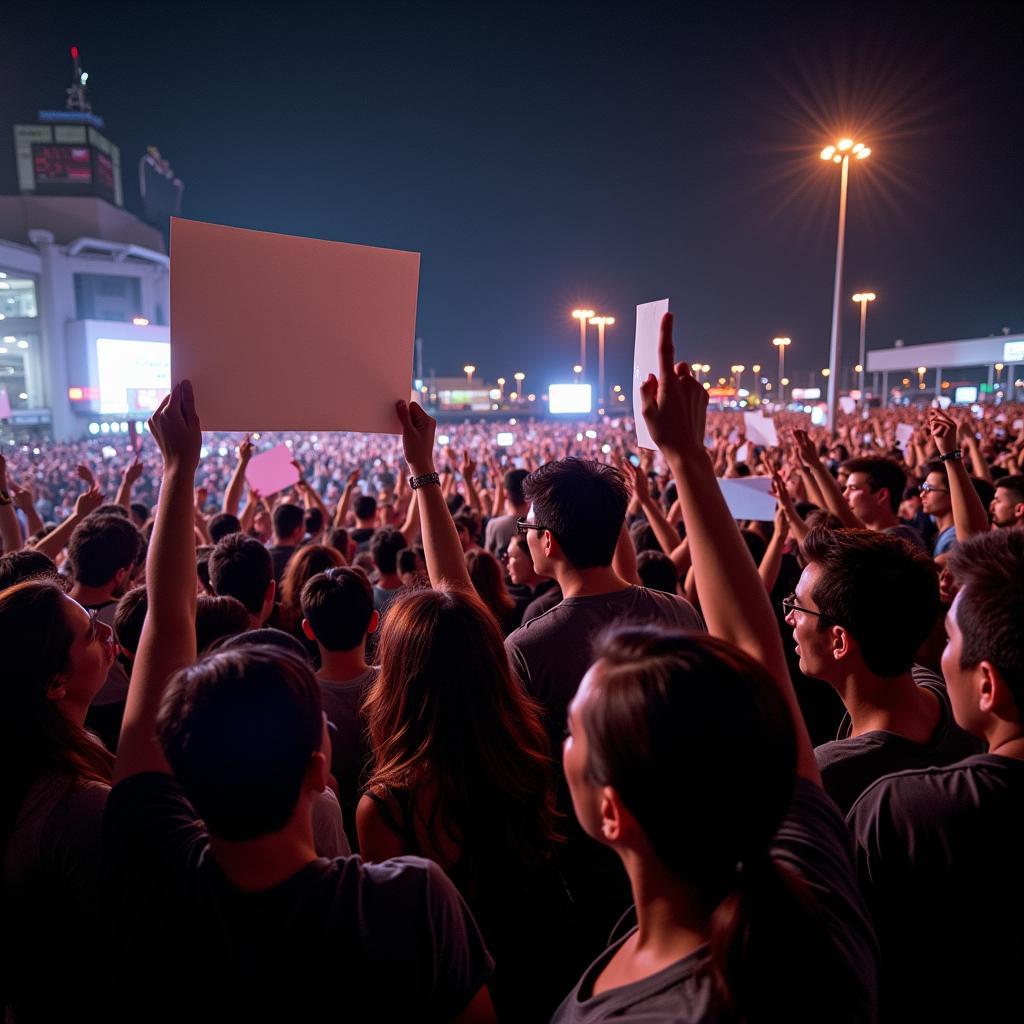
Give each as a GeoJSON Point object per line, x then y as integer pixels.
{"type": "Point", "coordinates": [931, 489]}
{"type": "Point", "coordinates": [789, 605]}
{"type": "Point", "coordinates": [522, 526]}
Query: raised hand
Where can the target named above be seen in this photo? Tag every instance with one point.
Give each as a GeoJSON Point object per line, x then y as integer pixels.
{"type": "Point", "coordinates": [245, 449]}
{"type": "Point", "coordinates": [806, 450]}
{"type": "Point", "coordinates": [22, 497]}
{"type": "Point", "coordinates": [88, 501]}
{"type": "Point", "coordinates": [417, 436]}
{"type": "Point", "coordinates": [943, 431]}
{"type": "Point", "coordinates": [675, 405]}
{"type": "Point", "coordinates": [133, 471]}
{"type": "Point", "coordinates": [86, 474]}
{"type": "Point", "coordinates": [468, 466]}
{"type": "Point", "coordinates": [175, 425]}
{"type": "Point", "coordinates": [641, 485]}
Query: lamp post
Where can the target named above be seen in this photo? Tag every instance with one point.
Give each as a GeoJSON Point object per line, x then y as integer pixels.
{"type": "Point", "coordinates": [863, 298]}
{"type": "Point", "coordinates": [469, 370]}
{"type": "Point", "coordinates": [738, 371]}
{"type": "Point", "coordinates": [839, 153]}
{"type": "Point", "coordinates": [781, 344]}
{"type": "Point", "coordinates": [576, 371]}
{"type": "Point", "coordinates": [921, 371]}
{"type": "Point", "coordinates": [519, 377]}
{"type": "Point", "coordinates": [602, 322]}
{"type": "Point", "coordinates": [756, 370]}
{"type": "Point", "coordinates": [583, 315]}
{"type": "Point", "coordinates": [501, 389]}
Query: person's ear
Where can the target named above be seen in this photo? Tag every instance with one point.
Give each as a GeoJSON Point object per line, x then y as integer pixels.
{"type": "Point", "coordinates": [374, 622]}
{"type": "Point", "coordinates": [842, 643]}
{"type": "Point", "coordinates": [56, 690]}
{"type": "Point", "coordinates": [611, 815]}
{"type": "Point", "coordinates": [318, 771]}
{"type": "Point", "coordinates": [307, 630]}
{"type": "Point", "coordinates": [552, 549]}
{"type": "Point", "coordinates": [122, 577]}
{"type": "Point", "coordinates": [1018, 511]}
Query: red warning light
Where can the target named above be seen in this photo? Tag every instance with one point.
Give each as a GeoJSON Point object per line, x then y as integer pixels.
{"type": "Point", "coordinates": [74, 52]}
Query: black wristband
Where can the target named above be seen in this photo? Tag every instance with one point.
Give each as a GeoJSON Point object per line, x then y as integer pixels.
{"type": "Point", "coordinates": [420, 481]}
{"type": "Point", "coordinates": [956, 455]}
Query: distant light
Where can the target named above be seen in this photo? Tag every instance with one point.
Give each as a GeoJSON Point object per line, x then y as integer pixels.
{"type": "Point", "coordinates": [592, 434]}
{"type": "Point", "coordinates": [22, 343]}
{"type": "Point", "coordinates": [115, 428]}
{"type": "Point", "coordinates": [617, 388]}
{"type": "Point", "coordinates": [9, 339]}
{"type": "Point", "coordinates": [140, 321]}
{"type": "Point", "coordinates": [105, 428]}
{"type": "Point", "coordinates": [512, 421]}
{"type": "Point", "coordinates": [23, 396]}
{"type": "Point", "coordinates": [844, 144]}
{"type": "Point", "coordinates": [204, 452]}
{"type": "Point", "coordinates": [443, 440]}
{"type": "Point", "coordinates": [505, 439]}
{"type": "Point", "coordinates": [622, 398]}
{"type": "Point", "coordinates": [255, 435]}
{"type": "Point", "coordinates": [74, 52]}
{"type": "Point", "coordinates": [606, 448]}
{"type": "Point", "coordinates": [222, 451]}
{"type": "Point", "coordinates": [864, 153]}
{"type": "Point", "coordinates": [494, 394]}
{"type": "Point", "coordinates": [531, 397]}
{"type": "Point", "coordinates": [94, 428]}
{"type": "Point", "coordinates": [570, 398]}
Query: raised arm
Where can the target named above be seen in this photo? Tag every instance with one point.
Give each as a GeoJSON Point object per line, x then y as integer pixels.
{"type": "Point", "coordinates": [233, 495]}
{"type": "Point", "coordinates": [969, 513]}
{"type": "Point", "coordinates": [825, 481]}
{"type": "Point", "coordinates": [346, 498]}
{"type": "Point", "coordinates": [57, 539]}
{"type": "Point", "coordinates": [10, 528]}
{"type": "Point", "coordinates": [168, 640]}
{"type": "Point", "coordinates": [770, 565]}
{"type": "Point", "coordinates": [468, 468]}
{"type": "Point", "coordinates": [732, 596]}
{"type": "Point", "coordinates": [128, 478]}
{"type": "Point", "coordinates": [446, 563]}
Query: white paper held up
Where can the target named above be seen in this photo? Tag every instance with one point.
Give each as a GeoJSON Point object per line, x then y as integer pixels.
{"type": "Point", "coordinates": [279, 332]}
{"type": "Point", "coordinates": [760, 430]}
{"type": "Point", "coordinates": [904, 432]}
{"type": "Point", "coordinates": [645, 360]}
{"type": "Point", "coordinates": [749, 497]}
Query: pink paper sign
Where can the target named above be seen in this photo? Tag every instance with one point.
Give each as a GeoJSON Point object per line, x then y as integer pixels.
{"type": "Point", "coordinates": [271, 471]}
{"type": "Point", "coordinates": [278, 332]}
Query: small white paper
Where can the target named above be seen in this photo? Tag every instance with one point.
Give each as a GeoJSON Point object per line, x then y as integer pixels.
{"type": "Point", "coordinates": [741, 452]}
{"type": "Point", "coordinates": [734, 436]}
{"type": "Point", "coordinates": [847, 404]}
{"type": "Point", "coordinates": [749, 497]}
{"type": "Point", "coordinates": [942, 402]}
{"type": "Point", "coordinates": [760, 430]}
{"type": "Point", "coordinates": [904, 432]}
{"type": "Point", "coordinates": [645, 360]}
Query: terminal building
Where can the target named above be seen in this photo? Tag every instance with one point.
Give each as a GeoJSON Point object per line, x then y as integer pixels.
{"type": "Point", "coordinates": [84, 283]}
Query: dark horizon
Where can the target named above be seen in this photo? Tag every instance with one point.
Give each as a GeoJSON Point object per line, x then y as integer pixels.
{"type": "Point", "coordinates": [547, 159]}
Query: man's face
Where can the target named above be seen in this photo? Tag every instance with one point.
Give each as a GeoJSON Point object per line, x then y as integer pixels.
{"type": "Point", "coordinates": [535, 542]}
{"type": "Point", "coordinates": [586, 794]}
{"type": "Point", "coordinates": [935, 495]}
{"type": "Point", "coordinates": [960, 681]}
{"type": "Point", "coordinates": [1005, 509]}
{"type": "Point", "coordinates": [812, 645]}
{"type": "Point", "coordinates": [864, 503]}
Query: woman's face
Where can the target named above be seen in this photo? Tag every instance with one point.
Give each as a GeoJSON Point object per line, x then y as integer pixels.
{"type": "Point", "coordinates": [90, 656]}
{"type": "Point", "coordinates": [520, 565]}
{"type": "Point", "coordinates": [586, 794]}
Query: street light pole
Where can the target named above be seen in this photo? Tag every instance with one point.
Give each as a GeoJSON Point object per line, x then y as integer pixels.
{"type": "Point", "coordinates": [601, 322]}
{"type": "Point", "coordinates": [469, 371]}
{"type": "Point", "coordinates": [583, 315]}
{"type": "Point", "coordinates": [863, 298]}
{"type": "Point", "coordinates": [840, 154]}
{"type": "Point", "coordinates": [780, 344]}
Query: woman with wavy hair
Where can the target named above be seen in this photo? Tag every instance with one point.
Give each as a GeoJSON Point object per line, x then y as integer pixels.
{"type": "Point", "coordinates": [488, 579]}
{"type": "Point", "coordinates": [56, 780]}
{"type": "Point", "coordinates": [309, 560]}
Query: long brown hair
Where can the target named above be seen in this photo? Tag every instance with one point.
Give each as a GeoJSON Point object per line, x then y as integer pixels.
{"type": "Point", "coordinates": [699, 743]}
{"type": "Point", "coordinates": [302, 567]}
{"type": "Point", "coordinates": [35, 738]}
{"type": "Point", "coordinates": [486, 576]}
{"type": "Point", "coordinates": [446, 711]}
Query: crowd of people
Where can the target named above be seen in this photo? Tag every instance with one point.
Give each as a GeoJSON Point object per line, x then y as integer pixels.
{"type": "Point", "coordinates": [457, 731]}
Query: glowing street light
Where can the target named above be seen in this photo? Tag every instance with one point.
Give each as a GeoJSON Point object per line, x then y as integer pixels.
{"type": "Point", "coordinates": [469, 370]}
{"type": "Point", "coordinates": [863, 298]}
{"type": "Point", "coordinates": [583, 315]}
{"type": "Point", "coordinates": [826, 372]}
{"type": "Point", "coordinates": [576, 371]}
{"type": "Point", "coordinates": [738, 371]}
{"type": "Point", "coordinates": [601, 322]}
{"type": "Point", "coordinates": [840, 154]}
{"type": "Point", "coordinates": [756, 369]}
{"type": "Point", "coordinates": [782, 344]}
{"type": "Point", "coordinates": [501, 388]}
{"type": "Point", "coordinates": [519, 377]}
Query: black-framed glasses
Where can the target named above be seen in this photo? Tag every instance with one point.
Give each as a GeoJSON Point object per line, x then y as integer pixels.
{"type": "Point", "coordinates": [932, 489]}
{"type": "Point", "coordinates": [789, 605]}
{"type": "Point", "coordinates": [522, 526]}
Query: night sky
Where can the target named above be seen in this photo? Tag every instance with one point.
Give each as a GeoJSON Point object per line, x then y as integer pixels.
{"type": "Point", "coordinates": [545, 157]}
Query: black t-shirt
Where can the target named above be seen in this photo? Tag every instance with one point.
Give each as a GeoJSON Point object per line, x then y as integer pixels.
{"type": "Point", "coordinates": [280, 555]}
{"type": "Point", "coordinates": [940, 854]}
{"type": "Point", "coordinates": [813, 842]}
{"type": "Point", "coordinates": [361, 537]}
{"type": "Point", "coordinates": [340, 939]}
{"type": "Point", "coordinates": [849, 764]}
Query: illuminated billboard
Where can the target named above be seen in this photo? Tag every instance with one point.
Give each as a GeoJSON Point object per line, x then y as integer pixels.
{"type": "Point", "coordinates": [569, 398]}
{"type": "Point", "coordinates": [133, 376]}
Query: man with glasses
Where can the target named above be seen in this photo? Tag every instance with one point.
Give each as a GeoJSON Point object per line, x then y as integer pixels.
{"type": "Point", "coordinates": [936, 502]}
{"type": "Point", "coordinates": [864, 605]}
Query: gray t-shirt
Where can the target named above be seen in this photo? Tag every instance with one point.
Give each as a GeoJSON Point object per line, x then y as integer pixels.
{"type": "Point", "coordinates": [499, 533]}
{"type": "Point", "coordinates": [814, 843]}
{"type": "Point", "coordinates": [849, 764]}
{"type": "Point", "coordinates": [552, 652]}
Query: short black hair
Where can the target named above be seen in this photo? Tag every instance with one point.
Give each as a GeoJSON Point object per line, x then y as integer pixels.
{"type": "Point", "coordinates": [241, 567]}
{"type": "Point", "coordinates": [129, 615]}
{"type": "Point", "coordinates": [268, 636]}
{"type": "Point", "coordinates": [338, 605]}
{"type": "Point", "coordinates": [881, 472]}
{"type": "Point", "coordinates": [26, 564]}
{"type": "Point", "coordinates": [514, 486]}
{"type": "Point", "coordinates": [384, 546]}
{"type": "Point", "coordinates": [287, 519]}
{"type": "Point", "coordinates": [203, 553]}
{"type": "Point", "coordinates": [238, 729]}
{"type": "Point", "coordinates": [313, 521]}
{"type": "Point", "coordinates": [408, 560]}
{"type": "Point", "coordinates": [1013, 484]}
{"type": "Point", "coordinates": [880, 588]}
{"type": "Point", "coordinates": [140, 511]}
{"type": "Point", "coordinates": [657, 571]}
{"type": "Point", "coordinates": [218, 617]}
{"type": "Point", "coordinates": [365, 506]}
{"type": "Point", "coordinates": [583, 503]}
{"type": "Point", "coordinates": [337, 538]}
{"type": "Point", "coordinates": [101, 546]}
{"type": "Point", "coordinates": [223, 524]}
{"type": "Point", "coordinates": [989, 569]}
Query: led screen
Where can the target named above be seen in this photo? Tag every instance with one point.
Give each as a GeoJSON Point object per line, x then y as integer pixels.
{"type": "Point", "coordinates": [133, 376]}
{"type": "Point", "coordinates": [505, 439]}
{"type": "Point", "coordinates": [965, 395]}
{"type": "Point", "coordinates": [63, 165]}
{"type": "Point", "coordinates": [569, 398]}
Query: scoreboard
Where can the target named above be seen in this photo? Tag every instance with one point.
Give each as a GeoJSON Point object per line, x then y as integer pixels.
{"type": "Point", "coordinates": [67, 160]}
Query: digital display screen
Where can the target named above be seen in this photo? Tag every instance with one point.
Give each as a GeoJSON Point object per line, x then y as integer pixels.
{"type": "Point", "coordinates": [965, 395]}
{"type": "Point", "coordinates": [133, 376]}
{"type": "Point", "coordinates": [63, 165]}
{"type": "Point", "coordinates": [569, 398]}
{"type": "Point", "coordinates": [505, 439]}
{"type": "Point", "coordinates": [105, 176]}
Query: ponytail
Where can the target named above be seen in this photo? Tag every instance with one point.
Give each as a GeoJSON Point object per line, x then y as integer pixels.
{"type": "Point", "coordinates": [771, 956]}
